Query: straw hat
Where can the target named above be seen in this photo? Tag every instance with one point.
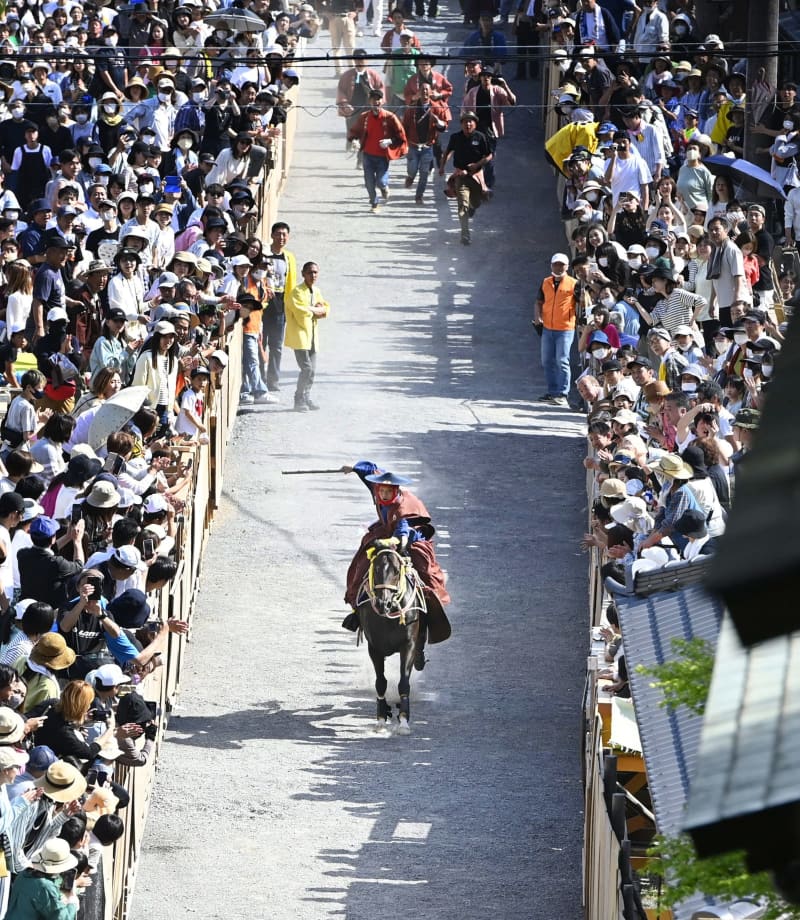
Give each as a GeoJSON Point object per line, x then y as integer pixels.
{"type": "Point", "coordinates": [54, 858]}
{"type": "Point", "coordinates": [675, 467]}
{"type": "Point", "coordinates": [62, 782]}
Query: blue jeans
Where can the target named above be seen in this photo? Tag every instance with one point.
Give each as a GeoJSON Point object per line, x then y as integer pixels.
{"type": "Point", "coordinates": [252, 381]}
{"type": "Point", "coordinates": [555, 360]}
{"type": "Point", "coordinates": [376, 175]}
{"type": "Point", "coordinates": [419, 161]}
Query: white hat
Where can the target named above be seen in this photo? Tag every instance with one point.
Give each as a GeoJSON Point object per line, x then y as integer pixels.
{"type": "Point", "coordinates": [581, 204]}
{"type": "Point", "coordinates": [683, 329]}
{"type": "Point", "coordinates": [57, 314]}
{"type": "Point", "coordinates": [31, 510]}
{"type": "Point", "coordinates": [626, 417]}
{"type": "Point", "coordinates": [695, 370]}
{"type": "Point", "coordinates": [713, 39]}
{"type": "Point", "coordinates": [582, 117]}
{"type": "Point", "coordinates": [11, 757]}
{"type": "Point", "coordinates": [559, 257]}
{"type": "Point", "coordinates": [221, 356]}
{"type": "Point", "coordinates": [162, 327]}
{"type": "Point", "coordinates": [155, 504]}
{"type": "Point", "coordinates": [54, 858]}
{"type": "Point", "coordinates": [128, 556]}
{"type": "Point", "coordinates": [21, 606]}
{"type": "Point", "coordinates": [239, 260]}
{"type": "Point", "coordinates": [109, 675]}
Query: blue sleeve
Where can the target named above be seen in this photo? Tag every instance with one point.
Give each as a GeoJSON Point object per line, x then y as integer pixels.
{"type": "Point", "coordinates": [121, 648]}
{"type": "Point", "coordinates": [402, 529]}
{"type": "Point", "coordinates": [365, 468]}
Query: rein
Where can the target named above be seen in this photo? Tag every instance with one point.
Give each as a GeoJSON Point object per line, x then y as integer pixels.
{"type": "Point", "coordinates": [406, 579]}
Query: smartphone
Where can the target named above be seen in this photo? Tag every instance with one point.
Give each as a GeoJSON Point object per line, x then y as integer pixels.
{"type": "Point", "coordinates": [97, 586]}
{"type": "Point", "coordinates": [148, 547]}
{"type": "Point", "coordinates": [198, 336]}
{"type": "Point", "coordinates": [77, 513]}
{"type": "Point", "coordinates": [114, 464]}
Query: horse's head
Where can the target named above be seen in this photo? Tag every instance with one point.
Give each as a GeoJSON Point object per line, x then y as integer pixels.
{"type": "Point", "coordinates": [387, 576]}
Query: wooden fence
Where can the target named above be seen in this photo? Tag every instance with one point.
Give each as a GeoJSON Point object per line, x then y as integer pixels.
{"type": "Point", "coordinates": [178, 600]}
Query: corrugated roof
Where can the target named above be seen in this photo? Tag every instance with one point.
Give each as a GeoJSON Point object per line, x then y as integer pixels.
{"type": "Point", "coordinates": [670, 737]}
{"type": "Point", "coordinates": [747, 788]}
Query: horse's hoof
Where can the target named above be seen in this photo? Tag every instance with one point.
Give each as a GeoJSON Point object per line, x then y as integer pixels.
{"type": "Point", "coordinates": [419, 662]}
{"type": "Point", "coordinates": [382, 727]}
{"type": "Point", "coordinates": [403, 728]}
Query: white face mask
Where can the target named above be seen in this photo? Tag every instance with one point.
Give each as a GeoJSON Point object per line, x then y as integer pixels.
{"type": "Point", "coordinates": [221, 34]}
{"type": "Point", "coordinates": [689, 387]}
{"type": "Point", "coordinates": [109, 109]}
{"type": "Point", "coordinates": [146, 189]}
{"type": "Point", "coordinates": [17, 112]}
{"type": "Point", "coordinates": [635, 264]}
{"type": "Point", "coordinates": [608, 302]}
{"type": "Point", "coordinates": [239, 211]}
{"type": "Point", "coordinates": [740, 338]}
{"type": "Point", "coordinates": [111, 41]}
{"type": "Point", "coordinates": [600, 353]}
{"type": "Point", "coordinates": [653, 252]}
{"type": "Point", "coordinates": [692, 156]}
{"type": "Point", "coordinates": [101, 180]}
{"type": "Point", "coordinates": [164, 97]}
{"type": "Point", "coordinates": [108, 217]}
{"type": "Point", "coordinates": [185, 143]}
{"type": "Point", "coordinates": [94, 162]}
{"type": "Point", "coordinates": [766, 370]}
{"type": "Point", "coordinates": [721, 347]}
{"type": "Point", "coordinates": [748, 374]}
{"type": "Point", "coordinates": [603, 263]}
{"type": "Point", "coordinates": [198, 97]}
{"type": "Point", "coordinates": [82, 118]}
{"type": "Point", "coordinates": [259, 275]}
{"type": "Point", "coordinates": [788, 125]}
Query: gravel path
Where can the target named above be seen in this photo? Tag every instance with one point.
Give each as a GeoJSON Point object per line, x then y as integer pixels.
{"type": "Point", "coordinates": [274, 799]}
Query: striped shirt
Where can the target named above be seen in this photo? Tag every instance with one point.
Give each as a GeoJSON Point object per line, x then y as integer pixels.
{"type": "Point", "coordinates": [647, 142]}
{"type": "Point", "coordinates": [676, 310]}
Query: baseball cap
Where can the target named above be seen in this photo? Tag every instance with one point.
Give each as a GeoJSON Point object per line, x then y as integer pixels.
{"type": "Point", "coordinates": [128, 556]}
{"type": "Point", "coordinates": [559, 257]}
{"type": "Point", "coordinates": [43, 526]}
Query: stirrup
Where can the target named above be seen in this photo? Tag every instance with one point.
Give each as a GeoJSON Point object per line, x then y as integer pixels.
{"type": "Point", "coordinates": [351, 622]}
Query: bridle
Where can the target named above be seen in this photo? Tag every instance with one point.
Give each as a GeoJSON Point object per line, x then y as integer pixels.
{"type": "Point", "coordinates": [403, 598]}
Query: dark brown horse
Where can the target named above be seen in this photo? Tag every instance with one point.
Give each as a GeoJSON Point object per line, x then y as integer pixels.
{"type": "Point", "coordinates": [391, 609]}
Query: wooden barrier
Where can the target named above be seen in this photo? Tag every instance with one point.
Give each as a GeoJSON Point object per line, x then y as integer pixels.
{"type": "Point", "coordinates": [208, 465]}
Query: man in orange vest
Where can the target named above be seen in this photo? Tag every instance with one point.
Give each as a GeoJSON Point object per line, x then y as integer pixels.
{"type": "Point", "coordinates": [554, 320]}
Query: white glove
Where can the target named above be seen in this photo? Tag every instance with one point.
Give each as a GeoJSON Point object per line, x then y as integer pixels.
{"type": "Point", "coordinates": [386, 142]}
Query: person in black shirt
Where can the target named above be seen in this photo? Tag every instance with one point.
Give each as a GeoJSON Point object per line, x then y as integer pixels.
{"type": "Point", "coordinates": [111, 73]}
{"type": "Point", "coordinates": [471, 152]}
{"type": "Point", "coordinates": [9, 352]}
{"type": "Point", "coordinates": [43, 575]}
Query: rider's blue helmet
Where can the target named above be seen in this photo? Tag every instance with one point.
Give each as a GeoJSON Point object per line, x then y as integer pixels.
{"type": "Point", "coordinates": [387, 479]}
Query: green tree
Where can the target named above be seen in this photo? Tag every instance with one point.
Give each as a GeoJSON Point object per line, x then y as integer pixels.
{"type": "Point", "coordinates": [685, 679]}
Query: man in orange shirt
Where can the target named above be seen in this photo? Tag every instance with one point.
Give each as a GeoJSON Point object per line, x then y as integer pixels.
{"type": "Point", "coordinates": [554, 320]}
{"type": "Point", "coordinates": [382, 139]}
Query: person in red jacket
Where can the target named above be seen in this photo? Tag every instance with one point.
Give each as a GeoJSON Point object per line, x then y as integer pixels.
{"type": "Point", "coordinates": [422, 122]}
{"type": "Point", "coordinates": [554, 320]}
{"type": "Point", "coordinates": [382, 139]}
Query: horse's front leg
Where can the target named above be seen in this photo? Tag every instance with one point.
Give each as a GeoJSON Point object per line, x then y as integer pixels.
{"type": "Point", "coordinates": [407, 655]}
{"type": "Point", "coordinates": [384, 712]}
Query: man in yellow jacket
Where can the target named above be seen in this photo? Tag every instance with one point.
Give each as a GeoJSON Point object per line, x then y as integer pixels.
{"type": "Point", "coordinates": [304, 308]}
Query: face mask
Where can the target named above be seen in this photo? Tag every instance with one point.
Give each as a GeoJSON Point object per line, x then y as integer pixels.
{"type": "Point", "coordinates": [111, 41]}
{"type": "Point", "coordinates": [185, 143]}
{"type": "Point", "coordinates": [788, 125]}
{"type": "Point", "coordinates": [635, 264]}
{"type": "Point", "coordinates": [94, 162]}
{"type": "Point", "coordinates": [39, 394]}
{"type": "Point", "coordinates": [689, 387]}
{"type": "Point", "coordinates": [109, 109]}
{"type": "Point", "coordinates": [735, 216]}
{"type": "Point", "coordinates": [164, 97]}
{"type": "Point", "coordinates": [15, 700]}
{"type": "Point", "coordinates": [108, 216]}
{"type": "Point", "coordinates": [692, 156]}
{"type": "Point", "coordinates": [259, 275]}
{"type": "Point", "coordinates": [653, 252]}
{"type": "Point", "coordinates": [240, 212]}
{"type": "Point", "coordinates": [678, 264]}
{"type": "Point", "coordinates": [17, 113]}
{"type": "Point", "coordinates": [603, 263]}
{"type": "Point", "coordinates": [600, 353]}
{"type": "Point", "coordinates": [82, 118]}
{"type": "Point", "coordinates": [557, 274]}
{"type": "Point", "coordinates": [608, 302]}
{"type": "Point", "coordinates": [766, 370]}
{"type": "Point", "coordinates": [721, 347]}
{"type": "Point", "coordinates": [740, 338]}
{"type": "Point", "coordinates": [148, 139]}
{"type": "Point", "coordinates": [198, 97]}
{"type": "Point", "coordinates": [748, 374]}
{"type": "Point", "coordinates": [146, 189]}
{"type": "Point", "coordinates": [221, 34]}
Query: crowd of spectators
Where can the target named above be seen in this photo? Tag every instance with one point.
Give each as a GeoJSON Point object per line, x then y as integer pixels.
{"type": "Point", "coordinates": [134, 142]}
{"type": "Point", "coordinates": [665, 320]}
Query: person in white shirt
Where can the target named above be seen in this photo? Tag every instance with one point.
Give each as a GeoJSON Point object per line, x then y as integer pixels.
{"type": "Point", "coordinates": [627, 171]}
{"type": "Point", "coordinates": [651, 31]}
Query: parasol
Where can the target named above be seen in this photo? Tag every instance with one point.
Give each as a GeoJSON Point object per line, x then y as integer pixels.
{"type": "Point", "coordinates": [236, 20]}
{"type": "Point", "coordinates": [115, 412]}
{"type": "Point", "coordinates": [746, 176]}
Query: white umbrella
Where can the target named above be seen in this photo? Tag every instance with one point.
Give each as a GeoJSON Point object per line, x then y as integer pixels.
{"type": "Point", "coordinates": [115, 412]}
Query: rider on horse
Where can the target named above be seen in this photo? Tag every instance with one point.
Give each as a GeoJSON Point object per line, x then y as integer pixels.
{"type": "Point", "coordinates": [402, 515]}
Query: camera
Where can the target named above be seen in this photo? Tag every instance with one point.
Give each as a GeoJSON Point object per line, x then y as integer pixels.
{"type": "Point", "coordinates": [614, 147]}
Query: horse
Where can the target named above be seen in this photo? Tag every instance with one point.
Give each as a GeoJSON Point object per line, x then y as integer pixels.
{"type": "Point", "coordinates": [391, 611]}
